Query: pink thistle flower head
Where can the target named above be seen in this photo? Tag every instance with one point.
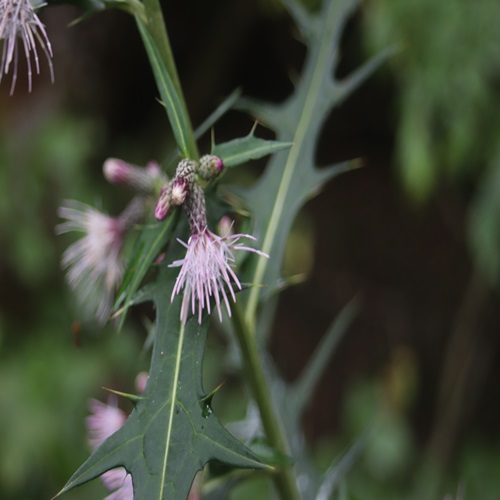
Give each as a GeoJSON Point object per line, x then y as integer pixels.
{"type": "Point", "coordinates": [18, 21]}
{"type": "Point", "coordinates": [207, 272]}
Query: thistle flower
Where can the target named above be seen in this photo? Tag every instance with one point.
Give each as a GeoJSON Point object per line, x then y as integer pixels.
{"type": "Point", "coordinates": [95, 263]}
{"type": "Point", "coordinates": [207, 271]}
{"type": "Point", "coordinates": [18, 20]}
{"type": "Point", "coordinates": [105, 420]}
{"type": "Point", "coordinates": [177, 190]}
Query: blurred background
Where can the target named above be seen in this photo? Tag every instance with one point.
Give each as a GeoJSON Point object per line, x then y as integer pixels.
{"type": "Point", "coordinates": [415, 234]}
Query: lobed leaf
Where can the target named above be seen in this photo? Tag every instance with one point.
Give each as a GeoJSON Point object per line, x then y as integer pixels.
{"type": "Point", "coordinates": [292, 177]}
{"type": "Point", "coordinates": [172, 432]}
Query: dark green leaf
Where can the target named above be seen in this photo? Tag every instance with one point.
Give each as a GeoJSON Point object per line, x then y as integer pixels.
{"type": "Point", "coordinates": [169, 435]}
{"type": "Point", "coordinates": [177, 115]}
{"type": "Point", "coordinates": [151, 241]}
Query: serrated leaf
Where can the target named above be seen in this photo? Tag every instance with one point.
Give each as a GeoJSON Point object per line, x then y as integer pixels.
{"type": "Point", "coordinates": [243, 149]}
{"type": "Point", "coordinates": [170, 435]}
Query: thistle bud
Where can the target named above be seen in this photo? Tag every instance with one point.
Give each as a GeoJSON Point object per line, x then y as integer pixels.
{"type": "Point", "coordinates": [164, 203]}
{"type": "Point", "coordinates": [210, 167]}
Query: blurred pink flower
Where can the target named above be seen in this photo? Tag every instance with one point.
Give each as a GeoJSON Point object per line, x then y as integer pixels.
{"type": "Point", "coordinates": [105, 420]}
{"type": "Point", "coordinates": [147, 180]}
{"type": "Point", "coordinates": [207, 270]}
{"type": "Point", "coordinates": [18, 20]}
{"type": "Point", "coordinates": [94, 262]}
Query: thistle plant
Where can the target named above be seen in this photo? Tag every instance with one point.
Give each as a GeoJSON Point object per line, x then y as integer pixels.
{"type": "Point", "coordinates": [190, 273]}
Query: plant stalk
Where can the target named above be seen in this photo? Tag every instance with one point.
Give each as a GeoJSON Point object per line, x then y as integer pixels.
{"type": "Point", "coordinates": [284, 478]}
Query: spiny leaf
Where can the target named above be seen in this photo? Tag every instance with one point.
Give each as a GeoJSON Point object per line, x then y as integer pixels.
{"type": "Point", "coordinates": [243, 149]}
{"type": "Point", "coordinates": [170, 435]}
{"type": "Point", "coordinates": [291, 177]}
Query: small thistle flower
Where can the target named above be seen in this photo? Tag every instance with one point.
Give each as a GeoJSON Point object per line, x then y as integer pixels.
{"type": "Point", "coordinates": [105, 420]}
{"type": "Point", "coordinates": [177, 190]}
{"type": "Point", "coordinates": [18, 20]}
{"type": "Point", "coordinates": [207, 271]}
{"type": "Point", "coordinates": [94, 263]}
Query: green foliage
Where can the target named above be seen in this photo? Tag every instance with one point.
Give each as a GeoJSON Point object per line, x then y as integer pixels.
{"type": "Point", "coordinates": [177, 115]}
{"type": "Point", "coordinates": [238, 151]}
{"type": "Point", "coordinates": [172, 431]}
{"type": "Point", "coordinates": [292, 178]}
{"type": "Point", "coordinates": [446, 74]}
{"type": "Point", "coordinates": [449, 127]}
{"type": "Point", "coordinates": [148, 246]}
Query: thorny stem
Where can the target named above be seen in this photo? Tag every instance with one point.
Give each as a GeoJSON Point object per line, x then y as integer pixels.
{"type": "Point", "coordinates": [252, 363]}
{"type": "Point", "coordinates": [157, 29]}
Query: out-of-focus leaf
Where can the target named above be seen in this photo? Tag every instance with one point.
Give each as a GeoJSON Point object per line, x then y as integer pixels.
{"type": "Point", "coordinates": [446, 91]}
{"type": "Point", "coordinates": [172, 432]}
{"type": "Point", "coordinates": [339, 469]}
{"type": "Point", "coordinates": [305, 385]}
{"type": "Point", "coordinates": [220, 111]}
{"type": "Point", "coordinates": [292, 177]}
{"type": "Point", "coordinates": [484, 225]}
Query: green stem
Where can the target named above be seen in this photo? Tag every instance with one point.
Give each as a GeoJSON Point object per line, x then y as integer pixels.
{"type": "Point", "coordinates": [158, 31]}
{"type": "Point", "coordinates": [284, 478]}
